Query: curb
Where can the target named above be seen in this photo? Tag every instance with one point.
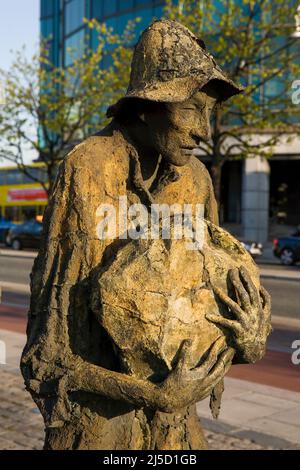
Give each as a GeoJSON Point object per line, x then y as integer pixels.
{"type": "Point", "coordinates": [15, 287]}
{"type": "Point", "coordinates": [280, 277]}
{"type": "Point", "coordinates": [285, 322]}
{"type": "Point", "coordinates": [18, 254]}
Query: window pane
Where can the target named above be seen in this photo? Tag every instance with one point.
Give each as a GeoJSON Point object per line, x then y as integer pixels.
{"type": "Point", "coordinates": [146, 16]}
{"type": "Point", "coordinates": [46, 8]}
{"type": "Point", "coordinates": [109, 7]}
{"type": "Point", "coordinates": [158, 12]}
{"type": "Point", "coordinates": [47, 28]}
{"type": "Point", "coordinates": [143, 2]}
{"type": "Point", "coordinates": [97, 9]}
{"type": "Point", "coordinates": [3, 178]}
{"type": "Point", "coordinates": [39, 173]}
{"type": "Point", "coordinates": [122, 21]}
{"type": "Point", "coordinates": [74, 15]}
{"type": "Point", "coordinates": [14, 177]}
{"type": "Point", "coordinates": [126, 5]}
{"type": "Point", "coordinates": [274, 87]}
{"type": "Point", "coordinates": [74, 47]}
{"type": "Point", "coordinates": [106, 61]}
{"type": "Point", "coordinates": [112, 23]}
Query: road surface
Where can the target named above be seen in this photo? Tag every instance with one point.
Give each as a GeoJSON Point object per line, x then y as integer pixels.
{"type": "Point", "coordinates": [275, 369]}
{"type": "Point", "coordinates": [15, 269]}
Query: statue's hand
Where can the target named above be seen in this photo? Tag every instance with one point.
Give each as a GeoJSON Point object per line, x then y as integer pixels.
{"type": "Point", "coordinates": [185, 386]}
{"type": "Point", "coordinates": [252, 316]}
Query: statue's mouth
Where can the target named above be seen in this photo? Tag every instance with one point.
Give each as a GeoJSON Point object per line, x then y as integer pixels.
{"type": "Point", "coordinates": [188, 150]}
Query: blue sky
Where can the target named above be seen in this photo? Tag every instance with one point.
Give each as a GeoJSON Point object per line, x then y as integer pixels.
{"type": "Point", "coordinates": [19, 25]}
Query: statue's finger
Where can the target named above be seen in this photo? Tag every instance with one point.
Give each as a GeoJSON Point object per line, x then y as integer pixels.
{"type": "Point", "coordinates": [220, 369]}
{"type": "Point", "coordinates": [241, 293]}
{"type": "Point", "coordinates": [266, 298]}
{"type": "Point", "coordinates": [251, 289]}
{"type": "Point", "coordinates": [183, 356]}
{"type": "Point", "coordinates": [233, 325]}
{"type": "Point", "coordinates": [234, 307]}
{"type": "Point", "coordinates": [200, 372]}
{"type": "Point", "coordinates": [266, 303]}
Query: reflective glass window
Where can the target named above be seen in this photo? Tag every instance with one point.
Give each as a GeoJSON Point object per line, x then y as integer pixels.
{"type": "Point", "coordinates": [14, 177]}
{"type": "Point", "coordinates": [47, 28]}
{"type": "Point", "coordinates": [74, 47]}
{"type": "Point", "coordinates": [146, 16]}
{"type": "Point", "coordinates": [274, 87]}
{"type": "Point", "coordinates": [143, 2]}
{"type": "Point", "coordinates": [3, 178]}
{"type": "Point", "coordinates": [158, 12]}
{"type": "Point", "coordinates": [122, 21]}
{"type": "Point", "coordinates": [109, 7]}
{"type": "Point", "coordinates": [39, 173]}
{"type": "Point", "coordinates": [112, 23]}
{"type": "Point", "coordinates": [74, 14]}
{"type": "Point", "coordinates": [126, 5]}
{"type": "Point", "coordinates": [47, 8]}
{"type": "Point", "coordinates": [97, 8]}
{"type": "Point", "coordinates": [107, 61]}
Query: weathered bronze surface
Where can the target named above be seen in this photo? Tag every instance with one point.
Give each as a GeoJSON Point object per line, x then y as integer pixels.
{"type": "Point", "coordinates": [125, 336]}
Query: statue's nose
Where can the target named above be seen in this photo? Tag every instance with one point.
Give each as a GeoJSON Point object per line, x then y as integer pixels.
{"type": "Point", "coordinates": [204, 134]}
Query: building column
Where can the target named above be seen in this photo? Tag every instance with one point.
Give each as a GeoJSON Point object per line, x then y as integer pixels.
{"type": "Point", "coordinates": [255, 199]}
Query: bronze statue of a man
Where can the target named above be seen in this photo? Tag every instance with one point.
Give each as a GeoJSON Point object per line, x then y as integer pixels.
{"type": "Point", "coordinates": [110, 358]}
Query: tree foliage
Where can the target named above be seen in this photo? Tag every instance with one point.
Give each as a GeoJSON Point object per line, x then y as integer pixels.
{"type": "Point", "coordinates": [47, 109]}
{"type": "Point", "coordinates": [252, 40]}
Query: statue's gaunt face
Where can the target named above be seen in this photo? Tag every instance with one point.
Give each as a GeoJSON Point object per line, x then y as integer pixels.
{"type": "Point", "coordinates": [177, 128]}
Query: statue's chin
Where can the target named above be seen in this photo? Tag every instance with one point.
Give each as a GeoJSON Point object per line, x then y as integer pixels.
{"type": "Point", "coordinates": [178, 159]}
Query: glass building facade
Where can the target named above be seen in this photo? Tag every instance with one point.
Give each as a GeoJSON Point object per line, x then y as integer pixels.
{"type": "Point", "coordinates": [63, 27]}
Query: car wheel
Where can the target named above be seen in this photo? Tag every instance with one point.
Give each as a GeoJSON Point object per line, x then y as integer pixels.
{"type": "Point", "coordinates": [287, 257]}
{"type": "Point", "coordinates": [16, 244]}
{"type": "Point", "coordinates": [7, 239]}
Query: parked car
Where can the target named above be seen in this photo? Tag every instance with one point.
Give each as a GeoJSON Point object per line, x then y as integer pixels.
{"type": "Point", "coordinates": [287, 248]}
{"type": "Point", "coordinates": [255, 249]}
{"type": "Point", "coordinates": [27, 235]}
{"type": "Point", "coordinates": [5, 226]}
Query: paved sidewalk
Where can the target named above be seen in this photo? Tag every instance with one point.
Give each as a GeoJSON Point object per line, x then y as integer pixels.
{"type": "Point", "coordinates": [283, 273]}
{"type": "Point", "coordinates": [18, 254]}
{"type": "Point", "coordinates": [266, 415]}
{"type": "Point", "coordinates": [252, 417]}
{"type": "Point", "coordinates": [21, 423]}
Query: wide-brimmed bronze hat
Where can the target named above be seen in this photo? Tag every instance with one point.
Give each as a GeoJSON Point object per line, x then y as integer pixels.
{"type": "Point", "coordinates": [170, 64]}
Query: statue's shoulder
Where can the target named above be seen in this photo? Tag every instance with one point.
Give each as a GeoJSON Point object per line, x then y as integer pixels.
{"type": "Point", "coordinates": [95, 151]}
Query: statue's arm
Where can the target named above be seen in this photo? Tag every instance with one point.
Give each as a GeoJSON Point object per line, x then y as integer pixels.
{"type": "Point", "coordinates": [181, 387]}
{"type": "Point", "coordinates": [92, 378]}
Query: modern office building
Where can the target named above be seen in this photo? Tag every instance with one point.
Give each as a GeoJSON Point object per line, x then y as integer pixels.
{"type": "Point", "coordinates": [252, 190]}
{"type": "Point", "coordinates": [62, 20]}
